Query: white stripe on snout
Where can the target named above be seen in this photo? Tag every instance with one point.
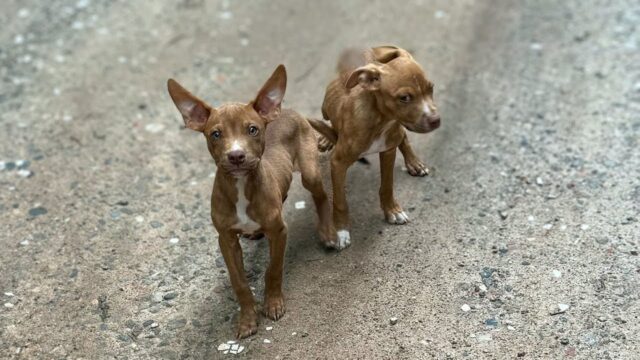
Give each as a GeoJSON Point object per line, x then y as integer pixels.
{"type": "Point", "coordinates": [425, 108]}
{"type": "Point", "coordinates": [236, 146]}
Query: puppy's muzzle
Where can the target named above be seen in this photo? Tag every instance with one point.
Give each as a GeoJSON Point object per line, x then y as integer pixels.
{"type": "Point", "coordinates": [426, 124]}
{"type": "Point", "coordinates": [236, 157]}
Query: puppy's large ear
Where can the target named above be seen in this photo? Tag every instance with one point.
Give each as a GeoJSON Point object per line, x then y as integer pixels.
{"type": "Point", "coordinates": [269, 98]}
{"type": "Point", "coordinates": [384, 54]}
{"type": "Point", "coordinates": [367, 76]}
{"type": "Point", "coordinates": [195, 112]}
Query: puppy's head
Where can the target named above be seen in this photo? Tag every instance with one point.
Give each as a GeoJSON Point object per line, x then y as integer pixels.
{"type": "Point", "coordinates": [401, 87]}
{"type": "Point", "coordinates": [235, 132]}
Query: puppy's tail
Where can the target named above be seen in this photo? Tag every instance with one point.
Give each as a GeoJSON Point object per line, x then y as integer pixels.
{"type": "Point", "coordinates": [329, 134]}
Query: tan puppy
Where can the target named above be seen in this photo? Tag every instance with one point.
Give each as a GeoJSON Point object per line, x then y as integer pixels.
{"type": "Point", "coordinates": [378, 93]}
{"type": "Point", "coordinates": [256, 148]}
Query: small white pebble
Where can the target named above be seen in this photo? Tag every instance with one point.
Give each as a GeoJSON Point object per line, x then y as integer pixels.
{"type": "Point", "coordinates": [584, 227]}
{"type": "Point", "coordinates": [530, 218]}
{"type": "Point", "coordinates": [539, 181]}
{"type": "Point", "coordinates": [18, 39]}
{"type": "Point", "coordinates": [547, 226]}
{"type": "Point", "coordinates": [511, 328]}
{"type": "Point", "coordinates": [234, 347]}
{"type": "Point", "coordinates": [269, 328]}
{"type": "Point", "coordinates": [174, 240]}
{"type": "Point", "coordinates": [482, 287]}
{"type": "Point", "coordinates": [77, 25]}
{"type": "Point", "coordinates": [24, 242]}
{"type": "Point", "coordinates": [9, 294]}
{"type": "Point", "coordinates": [465, 307]}
{"type": "Point", "coordinates": [24, 173]}
{"type": "Point", "coordinates": [225, 15]}
{"type": "Point", "coordinates": [294, 333]}
{"type": "Point", "coordinates": [154, 128]}
{"type": "Point", "coordinates": [8, 305]}
{"type": "Point", "coordinates": [23, 13]}
{"type": "Point", "coordinates": [300, 205]}
{"type": "Point", "coordinates": [535, 46]}
{"type": "Point", "coordinates": [557, 274]}
{"type": "Point", "coordinates": [223, 347]}
{"type": "Point", "coordinates": [154, 325]}
{"type": "Point", "coordinates": [563, 307]}
{"type": "Point", "coordinates": [266, 341]}
{"type": "Point", "coordinates": [231, 342]}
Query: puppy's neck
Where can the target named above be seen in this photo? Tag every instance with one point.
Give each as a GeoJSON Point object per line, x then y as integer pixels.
{"type": "Point", "coordinates": [254, 176]}
{"type": "Point", "coordinates": [368, 101]}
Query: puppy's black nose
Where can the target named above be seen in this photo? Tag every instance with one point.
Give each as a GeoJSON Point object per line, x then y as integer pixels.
{"type": "Point", "coordinates": [236, 157]}
{"type": "Point", "coordinates": [434, 121]}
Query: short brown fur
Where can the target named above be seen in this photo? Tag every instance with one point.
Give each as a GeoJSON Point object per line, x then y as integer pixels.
{"type": "Point", "coordinates": [377, 94]}
{"type": "Point", "coordinates": [256, 147]}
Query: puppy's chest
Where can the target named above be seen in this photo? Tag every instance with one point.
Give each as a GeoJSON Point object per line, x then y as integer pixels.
{"type": "Point", "coordinates": [244, 222]}
{"type": "Point", "coordinates": [380, 143]}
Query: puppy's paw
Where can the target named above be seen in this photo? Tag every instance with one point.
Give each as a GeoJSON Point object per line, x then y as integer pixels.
{"type": "Point", "coordinates": [396, 217]}
{"type": "Point", "coordinates": [274, 306]}
{"type": "Point", "coordinates": [415, 167]}
{"type": "Point", "coordinates": [247, 324]}
{"type": "Point", "coordinates": [329, 238]}
{"type": "Point", "coordinates": [343, 241]}
{"type": "Point", "coordinates": [324, 144]}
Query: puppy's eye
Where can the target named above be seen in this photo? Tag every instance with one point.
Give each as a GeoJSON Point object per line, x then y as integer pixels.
{"type": "Point", "coordinates": [253, 130]}
{"type": "Point", "coordinates": [405, 98]}
{"type": "Point", "coordinates": [216, 135]}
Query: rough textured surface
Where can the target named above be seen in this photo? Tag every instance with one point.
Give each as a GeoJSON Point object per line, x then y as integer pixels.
{"type": "Point", "coordinates": [523, 243]}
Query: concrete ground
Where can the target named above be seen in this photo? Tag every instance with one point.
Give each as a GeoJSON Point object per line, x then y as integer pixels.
{"type": "Point", "coordinates": [523, 243]}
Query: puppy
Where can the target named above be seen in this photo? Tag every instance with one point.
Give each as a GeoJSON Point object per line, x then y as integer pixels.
{"type": "Point", "coordinates": [256, 148]}
{"type": "Point", "coordinates": [377, 95]}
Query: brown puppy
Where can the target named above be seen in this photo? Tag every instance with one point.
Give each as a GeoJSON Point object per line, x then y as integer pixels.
{"type": "Point", "coordinates": [256, 148]}
{"type": "Point", "coordinates": [378, 93]}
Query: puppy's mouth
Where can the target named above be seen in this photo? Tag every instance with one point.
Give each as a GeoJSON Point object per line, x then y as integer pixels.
{"type": "Point", "coordinates": [239, 170]}
{"type": "Point", "coordinates": [424, 125]}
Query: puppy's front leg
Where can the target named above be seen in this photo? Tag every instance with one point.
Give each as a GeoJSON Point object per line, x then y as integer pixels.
{"type": "Point", "coordinates": [232, 253]}
{"type": "Point", "coordinates": [415, 167]}
{"type": "Point", "coordinates": [339, 166]}
{"type": "Point", "coordinates": [392, 211]}
{"type": "Point", "coordinates": [273, 299]}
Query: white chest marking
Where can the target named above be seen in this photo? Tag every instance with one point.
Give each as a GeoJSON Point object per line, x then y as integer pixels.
{"type": "Point", "coordinates": [380, 143]}
{"type": "Point", "coordinates": [244, 221]}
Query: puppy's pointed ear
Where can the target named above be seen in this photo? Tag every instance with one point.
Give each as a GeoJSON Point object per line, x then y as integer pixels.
{"type": "Point", "coordinates": [195, 112]}
{"type": "Point", "coordinates": [367, 76]}
{"type": "Point", "coordinates": [269, 98]}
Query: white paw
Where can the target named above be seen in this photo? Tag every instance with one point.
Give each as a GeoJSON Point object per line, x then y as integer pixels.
{"type": "Point", "coordinates": [344, 239]}
{"type": "Point", "coordinates": [423, 172]}
{"type": "Point", "coordinates": [397, 218]}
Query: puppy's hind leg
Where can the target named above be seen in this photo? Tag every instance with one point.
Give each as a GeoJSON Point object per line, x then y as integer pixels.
{"type": "Point", "coordinates": [312, 181]}
{"type": "Point", "coordinates": [415, 167]}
